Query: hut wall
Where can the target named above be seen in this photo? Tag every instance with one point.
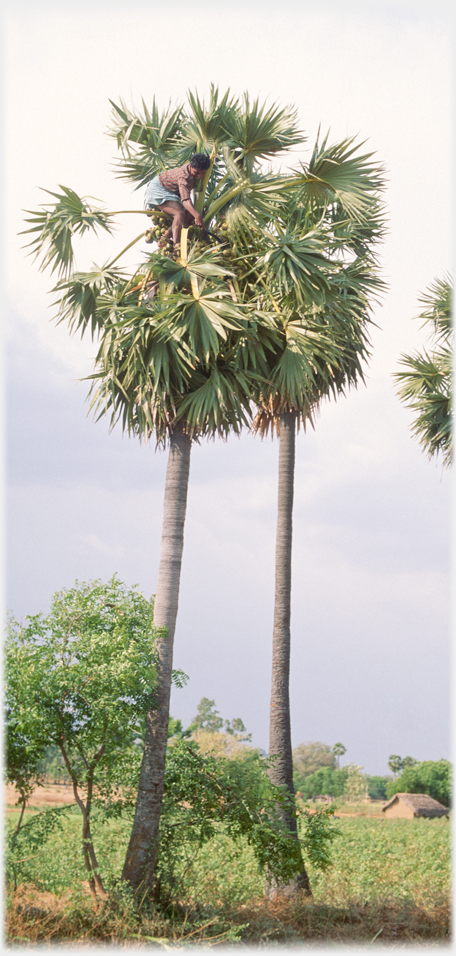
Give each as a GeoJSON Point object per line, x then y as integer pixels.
{"type": "Point", "coordinates": [399, 810]}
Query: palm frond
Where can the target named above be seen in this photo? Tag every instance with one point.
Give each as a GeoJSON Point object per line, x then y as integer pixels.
{"type": "Point", "coordinates": [255, 132]}
{"type": "Point", "coordinates": [149, 142]}
{"type": "Point", "coordinates": [205, 125]}
{"type": "Point", "coordinates": [426, 384]}
{"type": "Point", "coordinates": [339, 173]}
{"type": "Point", "coordinates": [437, 310]}
{"type": "Point", "coordinates": [56, 224]}
{"type": "Point", "coordinates": [220, 404]}
{"type": "Point", "coordinates": [82, 299]}
{"type": "Point", "coordinates": [256, 198]}
{"type": "Point", "coordinates": [299, 265]}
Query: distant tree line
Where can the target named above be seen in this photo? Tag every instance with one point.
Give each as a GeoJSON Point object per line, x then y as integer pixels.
{"type": "Point", "coordinates": [316, 773]}
{"type": "Point", "coordinates": [430, 776]}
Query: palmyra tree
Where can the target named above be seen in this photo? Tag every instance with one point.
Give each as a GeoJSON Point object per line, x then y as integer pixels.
{"type": "Point", "coordinates": [323, 344]}
{"type": "Point", "coordinates": [222, 326]}
{"type": "Point", "coordinates": [425, 385]}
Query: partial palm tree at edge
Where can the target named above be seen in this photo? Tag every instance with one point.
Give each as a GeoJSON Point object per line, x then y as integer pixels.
{"type": "Point", "coordinates": [425, 385]}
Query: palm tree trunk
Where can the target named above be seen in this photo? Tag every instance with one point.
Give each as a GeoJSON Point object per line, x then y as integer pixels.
{"type": "Point", "coordinates": [281, 771]}
{"type": "Point", "coordinates": [140, 859]}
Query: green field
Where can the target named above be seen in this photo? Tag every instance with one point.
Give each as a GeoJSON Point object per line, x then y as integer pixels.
{"type": "Point", "coordinates": [390, 879]}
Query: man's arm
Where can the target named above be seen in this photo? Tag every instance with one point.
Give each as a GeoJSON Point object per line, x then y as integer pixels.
{"type": "Point", "coordinates": [188, 205]}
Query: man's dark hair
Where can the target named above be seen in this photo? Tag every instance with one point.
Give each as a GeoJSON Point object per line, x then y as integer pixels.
{"type": "Point", "coordinates": [200, 161]}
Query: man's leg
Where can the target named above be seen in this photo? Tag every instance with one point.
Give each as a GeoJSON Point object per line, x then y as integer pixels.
{"type": "Point", "coordinates": [180, 218]}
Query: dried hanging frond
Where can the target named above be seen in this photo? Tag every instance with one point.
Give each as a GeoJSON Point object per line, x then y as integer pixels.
{"type": "Point", "coordinates": [267, 418]}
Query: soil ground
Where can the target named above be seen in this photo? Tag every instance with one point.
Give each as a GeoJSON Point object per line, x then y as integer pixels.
{"type": "Point", "coordinates": [59, 794]}
{"type": "Point", "coordinates": [51, 795]}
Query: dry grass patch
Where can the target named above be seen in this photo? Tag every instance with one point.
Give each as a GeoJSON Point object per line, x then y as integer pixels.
{"type": "Point", "coordinates": [38, 917]}
{"type": "Point", "coordinates": [386, 921]}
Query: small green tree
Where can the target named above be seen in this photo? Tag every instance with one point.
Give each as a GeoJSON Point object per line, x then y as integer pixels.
{"type": "Point", "coordinates": [81, 678]}
{"type": "Point", "coordinates": [205, 794]}
{"type": "Point", "coordinates": [395, 763]}
{"type": "Point", "coordinates": [207, 717]}
{"type": "Point", "coordinates": [430, 776]}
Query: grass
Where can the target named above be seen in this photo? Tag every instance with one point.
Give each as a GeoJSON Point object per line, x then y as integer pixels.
{"type": "Point", "coordinates": [389, 882]}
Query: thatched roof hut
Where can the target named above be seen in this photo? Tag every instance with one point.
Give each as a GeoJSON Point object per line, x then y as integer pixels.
{"type": "Point", "coordinates": [410, 805]}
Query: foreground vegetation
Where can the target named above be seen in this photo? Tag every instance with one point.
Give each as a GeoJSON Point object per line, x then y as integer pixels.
{"type": "Point", "coordinates": [389, 879]}
{"type": "Point", "coordinates": [78, 686]}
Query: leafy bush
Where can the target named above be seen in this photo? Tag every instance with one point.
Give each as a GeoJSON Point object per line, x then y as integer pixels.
{"type": "Point", "coordinates": [324, 781]}
{"type": "Point", "coordinates": [431, 776]}
{"type": "Point", "coordinates": [207, 795]}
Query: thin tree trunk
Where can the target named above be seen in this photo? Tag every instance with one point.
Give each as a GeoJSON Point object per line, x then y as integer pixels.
{"type": "Point", "coordinates": [281, 771]}
{"type": "Point", "coordinates": [23, 796]}
{"type": "Point", "coordinates": [88, 849]}
{"type": "Point", "coordinates": [140, 859]}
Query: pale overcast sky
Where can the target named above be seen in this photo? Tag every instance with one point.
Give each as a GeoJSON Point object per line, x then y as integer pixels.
{"type": "Point", "coordinates": [370, 621]}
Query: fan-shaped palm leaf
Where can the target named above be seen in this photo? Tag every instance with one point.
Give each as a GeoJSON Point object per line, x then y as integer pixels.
{"type": "Point", "coordinates": [56, 226]}
{"type": "Point", "coordinates": [207, 265]}
{"type": "Point", "coordinates": [438, 309]}
{"type": "Point", "coordinates": [205, 126]}
{"type": "Point", "coordinates": [79, 298]}
{"type": "Point", "coordinates": [221, 403]}
{"type": "Point", "coordinates": [299, 265]}
{"type": "Point", "coordinates": [149, 142]}
{"type": "Point", "coordinates": [256, 132]}
{"type": "Point", "coordinates": [339, 173]}
{"type": "Point", "coordinates": [426, 384]}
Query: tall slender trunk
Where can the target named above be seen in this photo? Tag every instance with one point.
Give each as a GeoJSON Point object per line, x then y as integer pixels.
{"type": "Point", "coordinates": [141, 852]}
{"type": "Point", "coordinates": [281, 771]}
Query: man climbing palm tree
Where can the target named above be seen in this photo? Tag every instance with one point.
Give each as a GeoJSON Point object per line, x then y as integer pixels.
{"type": "Point", "coordinates": [170, 192]}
